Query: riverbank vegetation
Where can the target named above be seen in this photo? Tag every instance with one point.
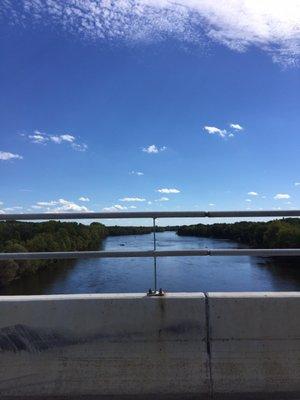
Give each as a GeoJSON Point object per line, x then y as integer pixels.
{"type": "Point", "coordinates": [71, 236]}
{"type": "Point", "coordinates": [284, 233]}
{"type": "Point", "coordinates": [45, 236]}
{"type": "Point", "coordinates": [19, 237]}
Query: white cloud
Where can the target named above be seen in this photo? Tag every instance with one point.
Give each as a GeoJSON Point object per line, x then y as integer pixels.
{"type": "Point", "coordinates": [252, 193]}
{"type": "Point", "coordinates": [82, 198]}
{"type": "Point", "coordinates": [236, 127]}
{"type": "Point", "coordinates": [16, 208]}
{"type": "Point", "coordinates": [168, 191]}
{"type": "Point", "coordinates": [211, 204]}
{"type": "Point", "coordinates": [62, 138]}
{"type": "Point", "coordinates": [116, 207]}
{"type": "Point", "coordinates": [163, 199]}
{"type": "Point", "coordinates": [43, 138]}
{"type": "Point", "coordinates": [47, 203]}
{"type": "Point", "coordinates": [212, 130]}
{"type": "Point", "coordinates": [152, 149]}
{"type": "Point", "coordinates": [38, 137]}
{"type": "Point", "coordinates": [270, 25]}
{"type": "Point", "coordinates": [297, 183]}
{"type": "Point", "coordinates": [79, 146]}
{"type": "Point", "coordinates": [132, 199]}
{"type": "Point", "coordinates": [138, 173]}
{"type": "Point", "coordinates": [282, 196]}
{"type": "Point", "coordinates": [60, 205]}
{"type": "Point", "coordinates": [248, 200]}
{"type": "Point", "coordinates": [6, 155]}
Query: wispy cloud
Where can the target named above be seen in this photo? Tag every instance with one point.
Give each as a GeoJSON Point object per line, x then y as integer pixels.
{"type": "Point", "coordinates": [168, 191]}
{"type": "Point", "coordinates": [117, 207]}
{"type": "Point", "coordinates": [42, 138]}
{"type": "Point", "coordinates": [163, 199]}
{"type": "Point", "coordinates": [297, 183]}
{"type": "Point", "coordinates": [138, 173]}
{"type": "Point", "coordinates": [213, 130]}
{"type": "Point", "coordinates": [252, 194]}
{"type": "Point", "coordinates": [60, 205]}
{"type": "Point", "coordinates": [133, 199]}
{"type": "Point", "coordinates": [6, 156]}
{"type": "Point", "coordinates": [272, 26]}
{"type": "Point", "coordinates": [236, 127]}
{"type": "Point", "coordinates": [224, 133]}
{"type": "Point", "coordinates": [12, 209]}
{"type": "Point", "coordinates": [82, 198]}
{"type": "Point", "coordinates": [153, 149]}
{"type": "Point", "coordinates": [282, 196]}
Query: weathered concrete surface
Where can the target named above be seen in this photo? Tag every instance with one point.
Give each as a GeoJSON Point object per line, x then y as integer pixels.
{"type": "Point", "coordinates": [182, 346]}
{"type": "Point", "coordinates": [255, 345]}
{"type": "Point", "coordinates": [102, 345]}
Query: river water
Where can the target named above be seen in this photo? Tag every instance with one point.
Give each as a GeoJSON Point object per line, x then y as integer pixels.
{"type": "Point", "coordinates": [176, 274]}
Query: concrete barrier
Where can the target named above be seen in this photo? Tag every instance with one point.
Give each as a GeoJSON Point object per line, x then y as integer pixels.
{"type": "Point", "coordinates": [101, 345]}
{"type": "Point", "coordinates": [192, 345]}
{"type": "Point", "coordinates": [255, 345]}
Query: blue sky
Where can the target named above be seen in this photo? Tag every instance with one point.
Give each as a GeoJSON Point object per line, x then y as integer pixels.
{"type": "Point", "coordinates": [151, 107]}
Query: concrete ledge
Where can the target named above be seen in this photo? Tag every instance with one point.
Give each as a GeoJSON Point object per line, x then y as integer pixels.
{"type": "Point", "coordinates": [181, 346]}
{"type": "Point", "coordinates": [255, 344]}
{"type": "Point", "coordinates": [102, 345]}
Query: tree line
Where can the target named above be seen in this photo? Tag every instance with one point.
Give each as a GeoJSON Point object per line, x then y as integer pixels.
{"type": "Point", "coordinates": [21, 237]}
{"type": "Point", "coordinates": [17, 237]}
{"type": "Point", "coordinates": [283, 233]}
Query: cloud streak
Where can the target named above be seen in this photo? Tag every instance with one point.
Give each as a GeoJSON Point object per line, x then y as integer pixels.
{"type": "Point", "coordinates": [6, 156]}
{"type": "Point", "coordinates": [213, 130]}
{"type": "Point", "coordinates": [168, 191]}
{"type": "Point", "coordinates": [269, 25]}
{"type": "Point", "coordinates": [282, 196]}
{"type": "Point", "coordinates": [43, 139]}
{"type": "Point", "coordinates": [132, 199]}
{"type": "Point", "coordinates": [58, 206]}
{"type": "Point", "coordinates": [153, 149]}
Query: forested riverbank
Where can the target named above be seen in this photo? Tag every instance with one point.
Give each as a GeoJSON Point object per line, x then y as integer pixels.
{"type": "Point", "coordinates": [53, 236]}
{"type": "Point", "coordinates": [45, 236]}
{"type": "Point", "coordinates": [72, 236]}
{"type": "Point", "coordinates": [284, 233]}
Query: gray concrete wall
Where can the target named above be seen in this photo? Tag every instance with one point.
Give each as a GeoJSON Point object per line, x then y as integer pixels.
{"type": "Point", "coordinates": [184, 345]}
{"type": "Point", "coordinates": [103, 344]}
{"type": "Point", "coordinates": [255, 344]}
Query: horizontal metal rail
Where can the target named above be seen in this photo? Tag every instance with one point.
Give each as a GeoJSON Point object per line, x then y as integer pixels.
{"type": "Point", "coordinates": [150, 214]}
{"type": "Point", "coordinates": [149, 253]}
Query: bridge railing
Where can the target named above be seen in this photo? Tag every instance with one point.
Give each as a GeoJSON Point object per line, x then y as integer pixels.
{"type": "Point", "coordinates": [154, 253]}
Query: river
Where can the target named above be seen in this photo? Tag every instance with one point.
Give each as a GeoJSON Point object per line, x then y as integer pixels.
{"type": "Point", "coordinates": [176, 274]}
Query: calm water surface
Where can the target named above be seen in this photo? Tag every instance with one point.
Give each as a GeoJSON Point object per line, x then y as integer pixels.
{"type": "Point", "coordinates": [174, 274]}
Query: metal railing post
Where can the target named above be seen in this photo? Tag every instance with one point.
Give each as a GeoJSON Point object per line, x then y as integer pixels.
{"type": "Point", "coordinates": [154, 258]}
{"type": "Point", "coordinates": [155, 292]}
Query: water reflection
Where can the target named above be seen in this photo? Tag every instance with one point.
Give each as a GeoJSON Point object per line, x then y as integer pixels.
{"type": "Point", "coordinates": [174, 273]}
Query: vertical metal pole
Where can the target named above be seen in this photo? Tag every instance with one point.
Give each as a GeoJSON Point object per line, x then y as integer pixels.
{"type": "Point", "coordinates": [154, 258]}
